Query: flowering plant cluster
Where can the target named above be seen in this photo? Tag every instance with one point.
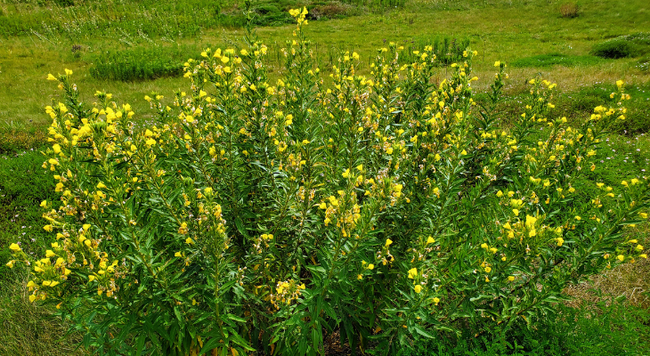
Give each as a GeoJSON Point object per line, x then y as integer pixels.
{"type": "Point", "coordinates": [258, 214]}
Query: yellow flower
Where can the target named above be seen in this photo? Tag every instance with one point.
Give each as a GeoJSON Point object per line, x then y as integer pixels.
{"type": "Point", "coordinates": [497, 64]}
{"type": "Point", "coordinates": [101, 185]}
{"type": "Point", "coordinates": [418, 289]}
{"type": "Point", "coordinates": [511, 278]}
{"type": "Point", "coordinates": [560, 241]}
{"type": "Point", "coordinates": [436, 300]}
{"type": "Point", "coordinates": [32, 298]}
{"type": "Point", "coordinates": [10, 264]}
{"type": "Point", "coordinates": [413, 272]}
{"type": "Point", "coordinates": [620, 258]}
{"type": "Point", "coordinates": [371, 266]}
{"type": "Point", "coordinates": [488, 269]}
{"type": "Point", "coordinates": [359, 277]}
{"type": "Point", "coordinates": [15, 248]}
{"type": "Point", "coordinates": [49, 253]}
{"type": "Point", "coordinates": [68, 71]}
{"type": "Point", "coordinates": [178, 254]}
{"type": "Point", "coordinates": [530, 221]}
{"type": "Point", "coordinates": [189, 241]}
{"type": "Point", "coordinates": [51, 77]}
{"type": "Point", "coordinates": [182, 229]}
{"type": "Point", "coordinates": [91, 278]}
{"type": "Point", "coordinates": [346, 174]}
{"type": "Point", "coordinates": [388, 242]}
{"type": "Point", "coordinates": [516, 212]}
{"type": "Point", "coordinates": [430, 240]}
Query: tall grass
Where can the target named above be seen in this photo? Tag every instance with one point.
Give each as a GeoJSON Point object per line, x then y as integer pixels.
{"type": "Point", "coordinates": [25, 329]}
{"type": "Point", "coordinates": [173, 19]}
{"type": "Point", "coordinates": [142, 63]}
{"type": "Point", "coordinates": [447, 50]}
{"type": "Point", "coordinates": [81, 19]}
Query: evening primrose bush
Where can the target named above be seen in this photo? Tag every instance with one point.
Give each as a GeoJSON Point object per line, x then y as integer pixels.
{"type": "Point", "coordinates": [256, 216]}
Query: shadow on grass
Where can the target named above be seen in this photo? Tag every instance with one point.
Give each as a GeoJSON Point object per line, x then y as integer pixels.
{"type": "Point", "coordinates": [551, 59]}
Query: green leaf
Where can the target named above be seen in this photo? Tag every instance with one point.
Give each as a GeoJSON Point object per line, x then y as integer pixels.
{"type": "Point", "coordinates": [423, 332]}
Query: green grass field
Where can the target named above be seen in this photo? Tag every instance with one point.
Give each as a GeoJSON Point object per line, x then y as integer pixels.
{"type": "Point", "coordinates": [132, 48]}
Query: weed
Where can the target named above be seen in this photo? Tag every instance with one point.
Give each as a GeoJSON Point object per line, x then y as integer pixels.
{"type": "Point", "coordinates": [637, 118]}
{"type": "Point", "coordinates": [623, 46]}
{"type": "Point", "coordinates": [447, 50]}
{"type": "Point", "coordinates": [13, 140]}
{"type": "Point", "coordinates": [569, 10]}
{"type": "Point", "coordinates": [615, 49]}
{"type": "Point", "coordinates": [644, 64]}
{"type": "Point", "coordinates": [603, 329]}
{"type": "Point", "coordinates": [331, 11]}
{"type": "Point", "coordinates": [269, 14]}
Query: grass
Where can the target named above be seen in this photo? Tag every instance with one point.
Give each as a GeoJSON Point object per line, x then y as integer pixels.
{"type": "Point", "coordinates": [26, 329]}
{"type": "Point", "coordinates": [633, 45]}
{"type": "Point", "coordinates": [603, 329]}
{"type": "Point", "coordinates": [133, 48]}
{"type": "Point", "coordinates": [142, 63]}
{"type": "Point", "coordinates": [551, 59]}
{"type": "Point", "coordinates": [534, 29]}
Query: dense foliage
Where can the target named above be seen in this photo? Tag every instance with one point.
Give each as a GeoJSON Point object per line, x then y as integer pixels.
{"type": "Point", "coordinates": [250, 215]}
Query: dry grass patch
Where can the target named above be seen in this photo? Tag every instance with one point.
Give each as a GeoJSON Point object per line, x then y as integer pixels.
{"type": "Point", "coordinates": [31, 330]}
{"type": "Point", "coordinates": [629, 281]}
{"type": "Point", "coordinates": [569, 10]}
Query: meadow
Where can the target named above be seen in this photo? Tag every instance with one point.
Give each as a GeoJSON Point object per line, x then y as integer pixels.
{"type": "Point", "coordinates": [139, 48]}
